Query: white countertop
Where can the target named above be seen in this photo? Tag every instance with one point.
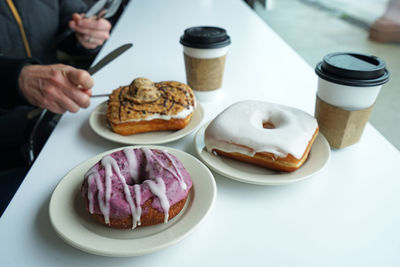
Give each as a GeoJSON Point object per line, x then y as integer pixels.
{"type": "Point", "coordinates": [347, 215]}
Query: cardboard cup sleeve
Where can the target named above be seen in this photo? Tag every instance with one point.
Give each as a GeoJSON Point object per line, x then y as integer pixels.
{"type": "Point", "coordinates": [205, 74]}
{"type": "Point", "coordinates": [339, 126]}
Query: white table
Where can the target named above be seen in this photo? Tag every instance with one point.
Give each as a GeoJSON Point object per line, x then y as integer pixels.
{"type": "Point", "coordinates": [347, 215]}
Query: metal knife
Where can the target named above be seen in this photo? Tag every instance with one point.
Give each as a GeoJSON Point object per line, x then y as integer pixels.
{"type": "Point", "coordinates": [100, 95]}
{"type": "Point", "coordinates": [95, 9]}
{"type": "Point", "coordinates": [113, 8]}
{"type": "Point", "coordinates": [109, 57]}
{"type": "Point", "coordinates": [110, 6]}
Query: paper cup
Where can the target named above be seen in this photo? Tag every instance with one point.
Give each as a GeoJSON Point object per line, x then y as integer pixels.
{"type": "Point", "coordinates": [347, 97]}
{"type": "Point", "coordinates": [205, 50]}
{"type": "Point", "coordinates": [348, 86]}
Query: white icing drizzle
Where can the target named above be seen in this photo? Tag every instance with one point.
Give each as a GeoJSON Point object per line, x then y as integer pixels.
{"type": "Point", "coordinates": [158, 189]}
{"type": "Point", "coordinates": [91, 175]}
{"type": "Point", "coordinates": [178, 174]}
{"type": "Point", "coordinates": [138, 213]}
{"type": "Point", "coordinates": [104, 202]}
{"type": "Point", "coordinates": [132, 161]}
{"type": "Point", "coordinates": [110, 163]}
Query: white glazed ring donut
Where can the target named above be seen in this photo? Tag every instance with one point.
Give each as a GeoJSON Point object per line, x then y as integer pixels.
{"type": "Point", "coordinates": [251, 127]}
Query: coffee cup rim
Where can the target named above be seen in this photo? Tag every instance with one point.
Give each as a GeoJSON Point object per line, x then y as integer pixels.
{"type": "Point", "coordinates": [349, 81]}
{"type": "Point", "coordinates": [208, 41]}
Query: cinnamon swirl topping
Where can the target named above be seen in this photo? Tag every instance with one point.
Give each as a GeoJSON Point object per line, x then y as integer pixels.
{"type": "Point", "coordinates": [145, 100]}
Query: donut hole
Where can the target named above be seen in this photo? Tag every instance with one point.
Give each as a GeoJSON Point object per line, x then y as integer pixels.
{"type": "Point", "coordinates": [131, 182]}
{"type": "Point", "coordinates": [274, 120]}
{"type": "Point", "coordinates": [142, 175]}
{"type": "Point", "coordinates": [268, 125]}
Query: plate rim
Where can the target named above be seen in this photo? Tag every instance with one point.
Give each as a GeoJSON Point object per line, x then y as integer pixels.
{"type": "Point", "coordinates": [127, 139]}
{"type": "Point", "coordinates": [176, 238]}
{"type": "Point", "coordinates": [268, 182]}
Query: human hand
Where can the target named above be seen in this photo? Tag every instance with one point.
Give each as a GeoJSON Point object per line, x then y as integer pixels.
{"type": "Point", "coordinates": [58, 87]}
{"type": "Point", "coordinates": [90, 32]}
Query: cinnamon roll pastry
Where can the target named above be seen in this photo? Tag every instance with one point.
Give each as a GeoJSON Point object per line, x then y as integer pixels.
{"type": "Point", "coordinates": [144, 106]}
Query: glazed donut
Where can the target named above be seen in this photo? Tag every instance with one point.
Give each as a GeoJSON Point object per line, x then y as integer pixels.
{"type": "Point", "coordinates": [136, 187]}
{"type": "Point", "coordinates": [261, 133]}
{"type": "Point", "coordinates": [145, 106]}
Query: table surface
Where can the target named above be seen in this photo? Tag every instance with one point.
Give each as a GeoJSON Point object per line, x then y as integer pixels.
{"type": "Point", "coordinates": [347, 215]}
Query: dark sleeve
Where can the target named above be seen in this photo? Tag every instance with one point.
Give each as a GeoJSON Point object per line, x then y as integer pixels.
{"type": "Point", "coordinates": [10, 70]}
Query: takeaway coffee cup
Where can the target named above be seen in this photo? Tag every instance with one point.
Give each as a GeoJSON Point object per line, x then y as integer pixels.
{"type": "Point", "coordinates": [205, 49]}
{"type": "Point", "coordinates": [348, 85]}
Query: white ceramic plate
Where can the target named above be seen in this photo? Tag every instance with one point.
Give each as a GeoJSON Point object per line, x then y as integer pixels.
{"type": "Point", "coordinates": [247, 173]}
{"type": "Point", "coordinates": [73, 223]}
{"type": "Point", "coordinates": [98, 122]}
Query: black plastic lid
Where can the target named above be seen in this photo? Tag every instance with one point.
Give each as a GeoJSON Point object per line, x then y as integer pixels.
{"type": "Point", "coordinates": [205, 37]}
{"type": "Point", "coordinates": [353, 69]}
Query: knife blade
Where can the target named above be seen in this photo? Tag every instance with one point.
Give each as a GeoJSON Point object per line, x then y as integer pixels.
{"type": "Point", "coordinates": [113, 8]}
{"type": "Point", "coordinates": [110, 6]}
{"type": "Point", "coordinates": [100, 95]}
{"type": "Point", "coordinates": [108, 58]}
{"type": "Point", "coordinates": [95, 9]}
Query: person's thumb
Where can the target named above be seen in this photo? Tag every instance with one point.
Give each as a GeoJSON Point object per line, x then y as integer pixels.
{"type": "Point", "coordinates": [80, 78]}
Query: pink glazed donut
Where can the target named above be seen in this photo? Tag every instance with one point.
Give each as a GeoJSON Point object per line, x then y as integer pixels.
{"type": "Point", "coordinates": [136, 187]}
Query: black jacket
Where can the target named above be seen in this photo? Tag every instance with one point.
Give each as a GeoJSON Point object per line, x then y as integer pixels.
{"type": "Point", "coordinates": [43, 22]}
